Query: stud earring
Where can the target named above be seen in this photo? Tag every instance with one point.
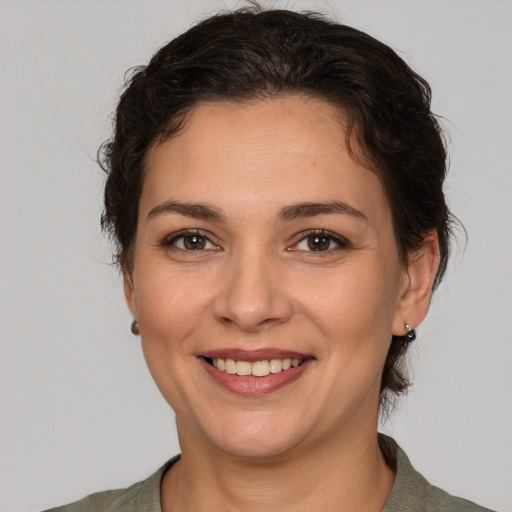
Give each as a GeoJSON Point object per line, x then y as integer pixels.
{"type": "Point", "coordinates": [135, 328]}
{"type": "Point", "coordinates": [410, 335]}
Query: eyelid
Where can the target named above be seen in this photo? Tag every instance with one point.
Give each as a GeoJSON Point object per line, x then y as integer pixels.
{"type": "Point", "coordinates": [340, 240]}
{"type": "Point", "coordinates": [170, 240]}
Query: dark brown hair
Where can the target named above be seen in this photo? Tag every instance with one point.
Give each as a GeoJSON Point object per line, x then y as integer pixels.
{"type": "Point", "coordinates": [252, 53]}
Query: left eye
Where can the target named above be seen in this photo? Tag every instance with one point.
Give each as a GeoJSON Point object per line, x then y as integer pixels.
{"type": "Point", "coordinates": [192, 242]}
{"type": "Point", "coordinates": [319, 242]}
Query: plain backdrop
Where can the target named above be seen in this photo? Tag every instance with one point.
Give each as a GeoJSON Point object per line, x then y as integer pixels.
{"type": "Point", "coordinates": [78, 410]}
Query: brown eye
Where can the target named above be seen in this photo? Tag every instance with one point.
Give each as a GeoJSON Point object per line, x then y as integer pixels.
{"type": "Point", "coordinates": [318, 242]}
{"type": "Point", "coordinates": [194, 242]}
{"type": "Point", "coordinates": [321, 241]}
{"type": "Point", "coordinates": [189, 241]}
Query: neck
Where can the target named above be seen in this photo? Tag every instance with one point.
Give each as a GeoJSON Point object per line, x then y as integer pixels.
{"type": "Point", "coordinates": [343, 476]}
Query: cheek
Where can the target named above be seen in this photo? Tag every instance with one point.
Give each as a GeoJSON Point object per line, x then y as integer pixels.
{"type": "Point", "coordinates": [354, 311]}
{"type": "Point", "coordinates": [170, 306]}
{"type": "Point", "coordinates": [353, 295]}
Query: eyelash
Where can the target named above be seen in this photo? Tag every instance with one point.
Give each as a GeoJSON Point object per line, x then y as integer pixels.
{"type": "Point", "coordinates": [172, 239]}
{"type": "Point", "coordinates": [341, 242]}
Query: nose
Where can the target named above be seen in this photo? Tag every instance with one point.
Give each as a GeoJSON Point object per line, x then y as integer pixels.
{"type": "Point", "coordinates": [252, 295]}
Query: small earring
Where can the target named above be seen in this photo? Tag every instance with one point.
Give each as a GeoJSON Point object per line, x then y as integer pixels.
{"type": "Point", "coordinates": [410, 335]}
{"type": "Point", "coordinates": [135, 328]}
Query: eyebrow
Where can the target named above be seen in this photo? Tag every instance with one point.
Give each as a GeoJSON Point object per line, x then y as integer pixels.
{"type": "Point", "coordinates": [194, 210]}
{"type": "Point", "coordinates": [304, 210]}
{"type": "Point", "coordinates": [287, 213]}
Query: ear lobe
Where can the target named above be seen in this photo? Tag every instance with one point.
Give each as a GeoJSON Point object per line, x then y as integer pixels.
{"type": "Point", "coordinates": [129, 293]}
{"type": "Point", "coordinates": [421, 271]}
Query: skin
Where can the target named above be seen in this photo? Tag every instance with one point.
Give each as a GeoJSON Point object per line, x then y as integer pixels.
{"type": "Point", "coordinates": [312, 444]}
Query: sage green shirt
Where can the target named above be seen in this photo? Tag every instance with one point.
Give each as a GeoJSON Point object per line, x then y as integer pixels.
{"type": "Point", "coordinates": [410, 493]}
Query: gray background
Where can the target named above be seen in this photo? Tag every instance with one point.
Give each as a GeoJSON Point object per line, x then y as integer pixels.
{"type": "Point", "coordinates": [78, 409]}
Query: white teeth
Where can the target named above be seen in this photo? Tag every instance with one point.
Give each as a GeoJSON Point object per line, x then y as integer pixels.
{"type": "Point", "coordinates": [243, 368]}
{"type": "Point", "coordinates": [261, 368]}
{"type": "Point", "coordinates": [258, 368]}
{"type": "Point", "coordinates": [275, 365]}
{"type": "Point", "coordinates": [230, 366]}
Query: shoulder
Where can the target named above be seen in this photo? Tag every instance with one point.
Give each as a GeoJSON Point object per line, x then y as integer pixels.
{"type": "Point", "coordinates": [440, 500]}
{"type": "Point", "coordinates": [101, 501]}
{"type": "Point", "coordinates": [412, 492]}
{"type": "Point", "coordinates": [143, 495]}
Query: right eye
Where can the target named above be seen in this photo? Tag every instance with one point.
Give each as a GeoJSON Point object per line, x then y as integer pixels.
{"type": "Point", "coordinates": [190, 241]}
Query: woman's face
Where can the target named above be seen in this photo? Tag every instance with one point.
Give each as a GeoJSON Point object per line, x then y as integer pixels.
{"type": "Point", "coordinates": [262, 242]}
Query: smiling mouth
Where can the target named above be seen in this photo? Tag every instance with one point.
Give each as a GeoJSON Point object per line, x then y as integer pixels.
{"type": "Point", "coordinates": [255, 373]}
{"type": "Point", "coordinates": [261, 368]}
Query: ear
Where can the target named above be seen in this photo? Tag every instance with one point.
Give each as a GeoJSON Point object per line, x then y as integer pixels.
{"type": "Point", "coordinates": [129, 293]}
{"type": "Point", "coordinates": [415, 295]}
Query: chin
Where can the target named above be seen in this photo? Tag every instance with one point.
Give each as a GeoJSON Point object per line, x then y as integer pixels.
{"type": "Point", "coordinates": [266, 445]}
{"type": "Point", "coordinates": [254, 435]}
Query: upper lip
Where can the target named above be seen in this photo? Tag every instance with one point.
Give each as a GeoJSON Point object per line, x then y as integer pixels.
{"type": "Point", "coordinates": [260, 354]}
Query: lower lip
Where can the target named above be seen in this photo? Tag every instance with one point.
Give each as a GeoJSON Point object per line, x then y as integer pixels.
{"type": "Point", "coordinates": [255, 386]}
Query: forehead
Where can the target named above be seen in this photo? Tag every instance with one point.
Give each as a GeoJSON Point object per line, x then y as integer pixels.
{"type": "Point", "coordinates": [266, 153]}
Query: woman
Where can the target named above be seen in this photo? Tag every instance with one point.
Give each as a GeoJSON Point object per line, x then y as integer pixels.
{"type": "Point", "coordinates": [275, 193]}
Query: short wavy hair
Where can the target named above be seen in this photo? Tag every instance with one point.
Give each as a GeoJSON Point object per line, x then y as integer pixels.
{"type": "Point", "coordinates": [254, 53]}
